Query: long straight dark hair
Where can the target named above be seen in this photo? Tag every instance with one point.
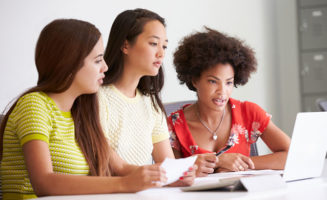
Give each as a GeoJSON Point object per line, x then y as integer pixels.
{"type": "Point", "coordinates": [126, 27]}
{"type": "Point", "coordinates": [60, 52]}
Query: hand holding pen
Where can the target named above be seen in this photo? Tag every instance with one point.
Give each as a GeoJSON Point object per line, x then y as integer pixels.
{"type": "Point", "coordinates": [206, 164]}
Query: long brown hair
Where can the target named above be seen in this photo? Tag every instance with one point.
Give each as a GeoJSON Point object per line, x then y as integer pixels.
{"type": "Point", "coordinates": [60, 52]}
{"type": "Point", "coordinates": [126, 27]}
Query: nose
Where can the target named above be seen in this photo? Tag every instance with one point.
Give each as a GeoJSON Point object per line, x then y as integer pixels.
{"type": "Point", "coordinates": [160, 52]}
{"type": "Point", "coordinates": [220, 88]}
{"type": "Point", "coordinates": [104, 67]}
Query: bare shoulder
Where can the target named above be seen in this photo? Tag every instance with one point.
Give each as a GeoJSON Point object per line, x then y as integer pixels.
{"type": "Point", "coordinates": [189, 113]}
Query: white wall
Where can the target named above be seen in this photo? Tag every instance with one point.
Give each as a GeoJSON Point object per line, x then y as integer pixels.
{"type": "Point", "coordinates": [254, 21]}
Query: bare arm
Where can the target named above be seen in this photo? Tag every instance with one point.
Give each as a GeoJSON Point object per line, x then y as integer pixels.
{"type": "Point", "coordinates": [162, 150]}
{"type": "Point", "coordinates": [47, 182]}
{"type": "Point", "coordinates": [119, 166]}
{"type": "Point", "coordinates": [278, 142]}
{"type": "Point", "coordinates": [275, 139]}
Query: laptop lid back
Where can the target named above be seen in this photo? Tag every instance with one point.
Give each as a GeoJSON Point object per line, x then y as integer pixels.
{"type": "Point", "coordinates": [308, 147]}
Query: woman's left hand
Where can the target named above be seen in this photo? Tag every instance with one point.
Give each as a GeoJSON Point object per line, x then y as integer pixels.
{"type": "Point", "coordinates": [187, 179]}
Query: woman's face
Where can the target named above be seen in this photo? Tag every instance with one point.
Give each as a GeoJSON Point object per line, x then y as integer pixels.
{"type": "Point", "coordinates": [215, 86]}
{"type": "Point", "coordinates": [144, 57]}
{"type": "Point", "coordinates": [89, 78]}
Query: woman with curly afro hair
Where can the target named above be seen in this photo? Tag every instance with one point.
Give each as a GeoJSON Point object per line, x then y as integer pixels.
{"type": "Point", "coordinates": [212, 64]}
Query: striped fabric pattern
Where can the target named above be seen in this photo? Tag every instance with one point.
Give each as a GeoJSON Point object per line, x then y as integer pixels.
{"type": "Point", "coordinates": [36, 117]}
{"type": "Point", "coordinates": [132, 125]}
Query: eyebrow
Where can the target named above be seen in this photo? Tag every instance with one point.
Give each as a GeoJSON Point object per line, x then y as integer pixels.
{"type": "Point", "coordinates": [218, 78]}
{"type": "Point", "coordinates": [154, 36]}
{"type": "Point", "coordinates": [100, 55]}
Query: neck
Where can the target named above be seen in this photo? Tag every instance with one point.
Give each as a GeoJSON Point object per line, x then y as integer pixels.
{"type": "Point", "coordinates": [64, 100]}
{"type": "Point", "coordinates": [210, 116]}
{"type": "Point", "coordinates": [128, 82]}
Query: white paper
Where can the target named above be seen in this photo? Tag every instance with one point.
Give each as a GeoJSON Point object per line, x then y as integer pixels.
{"type": "Point", "coordinates": [176, 167]}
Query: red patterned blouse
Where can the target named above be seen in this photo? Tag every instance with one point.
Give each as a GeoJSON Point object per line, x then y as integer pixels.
{"type": "Point", "coordinates": [248, 122]}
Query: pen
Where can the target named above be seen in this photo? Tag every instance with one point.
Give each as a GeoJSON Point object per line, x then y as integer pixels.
{"type": "Point", "coordinates": [223, 150]}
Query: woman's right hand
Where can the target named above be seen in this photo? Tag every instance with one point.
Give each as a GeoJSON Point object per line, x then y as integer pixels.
{"type": "Point", "coordinates": [144, 177]}
{"type": "Point", "coordinates": [235, 162]}
{"type": "Point", "coordinates": [206, 164]}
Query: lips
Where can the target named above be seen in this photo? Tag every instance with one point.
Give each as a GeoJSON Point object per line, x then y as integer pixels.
{"type": "Point", "coordinates": [219, 101]}
{"type": "Point", "coordinates": [101, 80]}
{"type": "Point", "coordinates": [157, 64]}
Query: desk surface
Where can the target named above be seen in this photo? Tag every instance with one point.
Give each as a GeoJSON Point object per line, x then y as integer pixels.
{"type": "Point", "coordinates": [306, 189]}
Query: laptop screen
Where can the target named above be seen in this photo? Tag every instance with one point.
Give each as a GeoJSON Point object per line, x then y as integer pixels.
{"type": "Point", "coordinates": [308, 148]}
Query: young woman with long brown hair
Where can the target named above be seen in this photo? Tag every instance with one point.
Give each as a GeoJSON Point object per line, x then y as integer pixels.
{"type": "Point", "coordinates": [132, 113]}
{"type": "Point", "coordinates": [51, 139]}
{"type": "Point", "coordinates": [131, 110]}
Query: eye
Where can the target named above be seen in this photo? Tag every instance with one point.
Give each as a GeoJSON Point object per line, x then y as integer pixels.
{"type": "Point", "coordinates": [164, 47]}
{"type": "Point", "coordinates": [153, 43]}
{"type": "Point", "coordinates": [230, 82]}
{"type": "Point", "coordinates": [212, 81]}
{"type": "Point", "coordinates": [98, 61]}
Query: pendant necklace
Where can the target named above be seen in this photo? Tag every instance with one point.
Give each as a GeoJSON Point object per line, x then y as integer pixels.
{"type": "Point", "coordinates": [214, 133]}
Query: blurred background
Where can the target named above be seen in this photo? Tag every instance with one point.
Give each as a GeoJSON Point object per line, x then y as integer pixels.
{"type": "Point", "coordinates": [289, 38]}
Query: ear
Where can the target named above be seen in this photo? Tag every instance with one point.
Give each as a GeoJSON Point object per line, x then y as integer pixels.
{"type": "Point", "coordinates": [195, 82]}
{"type": "Point", "coordinates": [125, 47]}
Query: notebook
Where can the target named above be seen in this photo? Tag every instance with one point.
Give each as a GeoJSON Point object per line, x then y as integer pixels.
{"type": "Point", "coordinates": [305, 158]}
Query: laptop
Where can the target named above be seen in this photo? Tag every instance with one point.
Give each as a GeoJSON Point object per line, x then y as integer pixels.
{"type": "Point", "coordinates": [308, 148]}
{"type": "Point", "coordinates": [305, 158]}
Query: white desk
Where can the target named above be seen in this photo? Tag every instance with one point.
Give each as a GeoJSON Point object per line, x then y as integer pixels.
{"type": "Point", "coordinates": [314, 189]}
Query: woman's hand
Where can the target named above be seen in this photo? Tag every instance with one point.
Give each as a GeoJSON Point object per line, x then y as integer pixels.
{"type": "Point", "coordinates": [187, 179]}
{"type": "Point", "coordinates": [206, 164]}
{"type": "Point", "coordinates": [234, 162]}
{"type": "Point", "coordinates": [144, 177]}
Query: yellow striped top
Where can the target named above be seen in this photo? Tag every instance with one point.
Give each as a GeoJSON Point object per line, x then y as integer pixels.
{"type": "Point", "coordinates": [36, 117]}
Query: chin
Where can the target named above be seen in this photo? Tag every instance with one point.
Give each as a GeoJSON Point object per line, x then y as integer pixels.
{"type": "Point", "coordinates": [218, 108]}
{"type": "Point", "coordinates": [92, 91]}
{"type": "Point", "coordinates": [153, 72]}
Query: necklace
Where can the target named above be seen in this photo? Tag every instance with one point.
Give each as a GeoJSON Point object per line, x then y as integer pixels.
{"type": "Point", "coordinates": [214, 133]}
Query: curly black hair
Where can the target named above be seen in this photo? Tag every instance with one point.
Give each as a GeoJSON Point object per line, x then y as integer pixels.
{"type": "Point", "coordinates": [202, 50]}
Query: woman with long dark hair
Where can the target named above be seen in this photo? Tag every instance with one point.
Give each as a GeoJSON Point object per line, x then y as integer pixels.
{"type": "Point", "coordinates": [51, 139]}
{"type": "Point", "coordinates": [131, 112]}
